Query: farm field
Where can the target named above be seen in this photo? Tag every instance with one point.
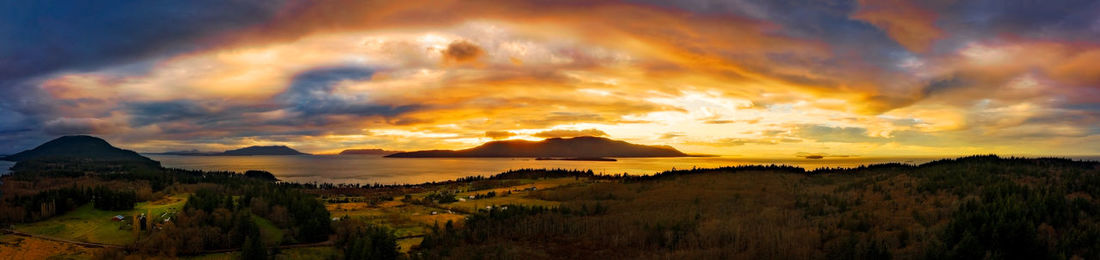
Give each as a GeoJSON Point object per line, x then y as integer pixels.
{"type": "Point", "coordinates": [411, 221]}
{"type": "Point", "coordinates": [17, 247]}
{"type": "Point", "coordinates": [87, 224]}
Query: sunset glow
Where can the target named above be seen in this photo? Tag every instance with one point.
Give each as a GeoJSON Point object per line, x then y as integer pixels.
{"type": "Point", "coordinates": [744, 78]}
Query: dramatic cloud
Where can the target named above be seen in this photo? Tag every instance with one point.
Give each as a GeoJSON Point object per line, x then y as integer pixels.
{"type": "Point", "coordinates": [767, 78]}
{"type": "Point", "coordinates": [38, 38]}
{"type": "Point", "coordinates": [70, 126]}
{"type": "Point", "coordinates": [905, 22]}
{"type": "Point", "coordinates": [499, 134]}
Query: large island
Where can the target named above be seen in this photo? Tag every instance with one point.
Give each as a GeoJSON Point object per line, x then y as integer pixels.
{"type": "Point", "coordinates": [577, 147]}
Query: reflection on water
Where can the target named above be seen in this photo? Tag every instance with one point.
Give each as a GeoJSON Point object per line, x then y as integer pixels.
{"type": "Point", "coordinates": [367, 169]}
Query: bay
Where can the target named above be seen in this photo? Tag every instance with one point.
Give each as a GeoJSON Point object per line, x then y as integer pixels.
{"type": "Point", "coordinates": [368, 169]}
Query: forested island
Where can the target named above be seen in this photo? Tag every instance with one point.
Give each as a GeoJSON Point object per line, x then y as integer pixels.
{"type": "Point", "coordinates": [62, 201]}
{"type": "Point", "coordinates": [576, 147]}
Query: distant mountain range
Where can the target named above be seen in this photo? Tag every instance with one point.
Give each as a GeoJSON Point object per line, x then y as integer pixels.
{"type": "Point", "coordinates": [577, 147]}
{"type": "Point", "coordinates": [367, 152]}
{"type": "Point", "coordinates": [86, 148]}
{"type": "Point", "coordinates": [251, 150]}
{"type": "Point", "coordinates": [80, 148]}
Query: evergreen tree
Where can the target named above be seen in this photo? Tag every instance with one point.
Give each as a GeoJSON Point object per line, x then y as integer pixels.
{"type": "Point", "coordinates": [253, 249]}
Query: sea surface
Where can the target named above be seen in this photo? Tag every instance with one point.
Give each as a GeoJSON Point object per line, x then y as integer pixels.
{"type": "Point", "coordinates": [369, 169]}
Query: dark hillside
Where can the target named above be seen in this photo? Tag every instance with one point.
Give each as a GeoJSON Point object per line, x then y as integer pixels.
{"type": "Point", "coordinates": [979, 207]}
{"type": "Point", "coordinates": [79, 147]}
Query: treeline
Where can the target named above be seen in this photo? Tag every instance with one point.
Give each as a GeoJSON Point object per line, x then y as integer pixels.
{"type": "Point", "coordinates": [516, 223]}
{"type": "Point", "coordinates": [503, 179]}
{"type": "Point", "coordinates": [30, 169]}
{"type": "Point", "coordinates": [210, 220]}
{"type": "Point", "coordinates": [1011, 162]}
{"type": "Point", "coordinates": [158, 177]}
{"type": "Point", "coordinates": [16, 208]}
{"type": "Point", "coordinates": [441, 197]}
{"type": "Point", "coordinates": [214, 219]}
{"type": "Point", "coordinates": [45, 204]}
{"type": "Point", "coordinates": [361, 240]}
{"type": "Point", "coordinates": [1017, 208]}
{"type": "Point", "coordinates": [302, 214]}
{"type": "Point", "coordinates": [540, 173]}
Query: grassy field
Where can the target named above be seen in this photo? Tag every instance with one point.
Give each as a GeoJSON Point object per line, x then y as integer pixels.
{"type": "Point", "coordinates": [513, 195]}
{"type": "Point", "coordinates": [92, 225]}
{"type": "Point", "coordinates": [272, 235]}
{"type": "Point", "coordinates": [16, 247]}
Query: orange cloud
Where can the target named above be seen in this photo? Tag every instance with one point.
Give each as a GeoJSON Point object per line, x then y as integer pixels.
{"type": "Point", "coordinates": [499, 134]}
{"type": "Point", "coordinates": [909, 25]}
{"type": "Point", "coordinates": [1081, 69]}
{"type": "Point", "coordinates": [630, 71]}
{"type": "Point", "coordinates": [559, 133]}
{"type": "Point", "coordinates": [462, 51]}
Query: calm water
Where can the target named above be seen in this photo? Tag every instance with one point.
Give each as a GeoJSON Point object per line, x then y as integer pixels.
{"type": "Point", "coordinates": [367, 169]}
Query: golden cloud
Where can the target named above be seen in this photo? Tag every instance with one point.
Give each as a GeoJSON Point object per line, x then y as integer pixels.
{"type": "Point", "coordinates": [562, 133]}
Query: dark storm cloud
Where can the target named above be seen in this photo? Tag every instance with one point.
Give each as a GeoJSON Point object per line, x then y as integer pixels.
{"type": "Point", "coordinates": [1064, 20]}
{"type": "Point", "coordinates": [154, 112]}
{"type": "Point", "coordinates": [40, 37]}
{"type": "Point", "coordinates": [827, 20]}
{"type": "Point", "coordinates": [309, 100]}
{"type": "Point", "coordinates": [24, 109]}
{"type": "Point", "coordinates": [1072, 19]}
{"type": "Point", "coordinates": [313, 93]}
{"type": "Point", "coordinates": [943, 85]}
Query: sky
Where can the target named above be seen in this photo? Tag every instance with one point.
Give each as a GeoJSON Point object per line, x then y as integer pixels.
{"type": "Point", "coordinates": [738, 77]}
